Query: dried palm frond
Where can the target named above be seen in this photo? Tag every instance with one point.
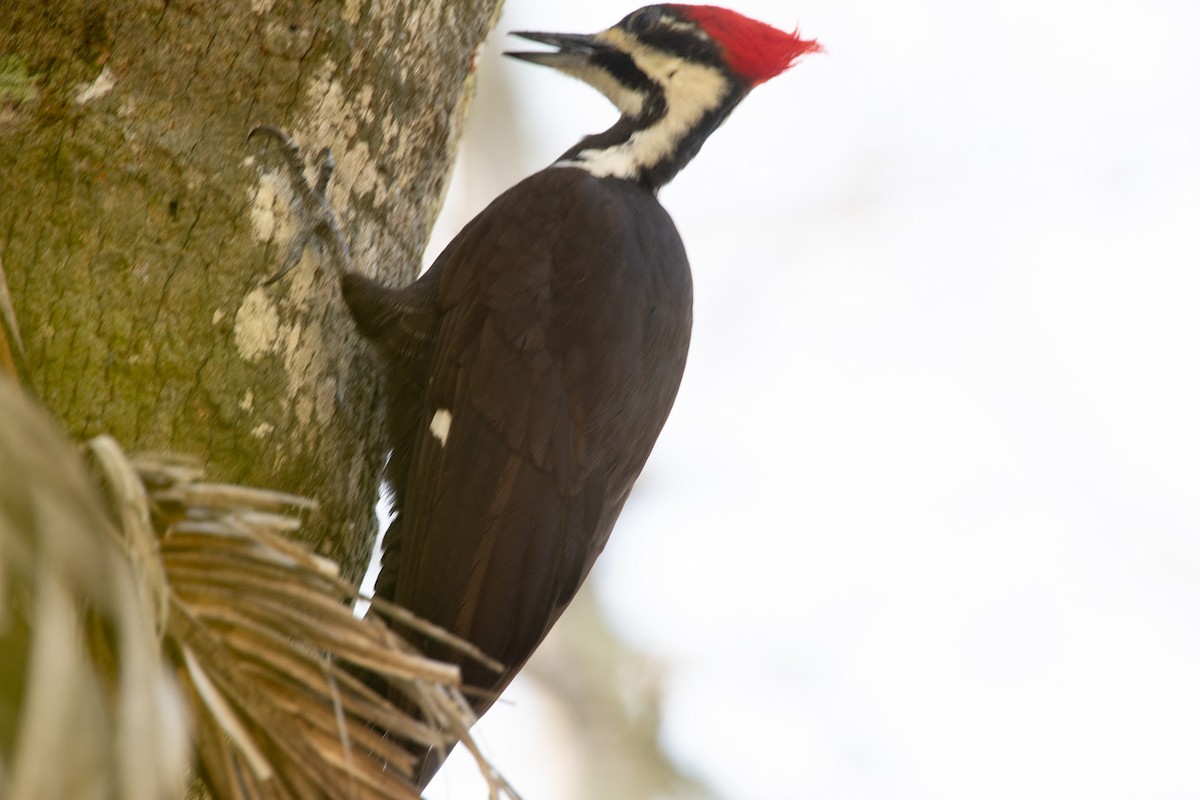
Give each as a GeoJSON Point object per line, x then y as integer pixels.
{"type": "Point", "coordinates": [268, 651]}
{"type": "Point", "coordinates": [12, 349]}
{"type": "Point", "coordinates": [88, 707]}
{"type": "Point", "coordinates": [193, 608]}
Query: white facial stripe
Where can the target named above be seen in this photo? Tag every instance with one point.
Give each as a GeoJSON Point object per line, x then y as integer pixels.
{"type": "Point", "coordinates": [439, 426]}
{"type": "Point", "coordinates": [692, 30]}
{"type": "Point", "coordinates": [627, 101]}
{"type": "Point", "coordinates": [690, 90]}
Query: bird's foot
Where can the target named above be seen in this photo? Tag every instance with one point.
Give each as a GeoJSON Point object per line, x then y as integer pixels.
{"type": "Point", "coordinates": [316, 220]}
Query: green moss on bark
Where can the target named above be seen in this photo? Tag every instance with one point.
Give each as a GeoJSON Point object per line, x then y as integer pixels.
{"type": "Point", "coordinates": [127, 228]}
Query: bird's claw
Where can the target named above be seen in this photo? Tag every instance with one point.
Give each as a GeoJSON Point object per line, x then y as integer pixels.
{"type": "Point", "coordinates": [316, 219]}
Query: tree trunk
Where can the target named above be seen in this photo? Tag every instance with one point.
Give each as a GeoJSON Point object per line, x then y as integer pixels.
{"type": "Point", "coordinates": [137, 224]}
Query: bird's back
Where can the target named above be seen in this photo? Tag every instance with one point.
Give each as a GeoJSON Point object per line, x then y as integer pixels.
{"type": "Point", "coordinates": [563, 314]}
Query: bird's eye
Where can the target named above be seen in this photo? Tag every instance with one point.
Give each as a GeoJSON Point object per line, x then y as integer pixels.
{"type": "Point", "coordinates": [644, 21]}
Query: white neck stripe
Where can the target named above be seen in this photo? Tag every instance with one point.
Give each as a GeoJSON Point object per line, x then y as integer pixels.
{"type": "Point", "coordinates": [690, 91]}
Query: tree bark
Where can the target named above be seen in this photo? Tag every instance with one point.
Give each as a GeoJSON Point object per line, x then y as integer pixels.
{"type": "Point", "coordinates": [137, 224]}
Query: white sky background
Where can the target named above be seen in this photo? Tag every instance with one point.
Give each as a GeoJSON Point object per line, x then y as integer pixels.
{"type": "Point", "coordinates": [932, 484]}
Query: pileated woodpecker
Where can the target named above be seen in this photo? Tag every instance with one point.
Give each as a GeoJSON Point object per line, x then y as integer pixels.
{"type": "Point", "coordinates": [530, 369]}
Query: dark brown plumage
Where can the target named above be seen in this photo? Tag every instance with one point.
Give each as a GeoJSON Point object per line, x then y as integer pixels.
{"type": "Point", "coordinates": [560, 320]}
{"type": "Point", "coordinates": [554, 330]}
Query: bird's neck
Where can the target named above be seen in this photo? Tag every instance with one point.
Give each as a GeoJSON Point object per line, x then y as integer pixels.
{"type": "Point", "coordinates": [651, 148]}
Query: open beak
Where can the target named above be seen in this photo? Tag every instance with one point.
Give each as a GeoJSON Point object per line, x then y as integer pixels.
{"type": "Point", "coordinates": [574, 49]}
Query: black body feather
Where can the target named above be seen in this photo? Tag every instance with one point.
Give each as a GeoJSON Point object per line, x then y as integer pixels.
{"type": "Point", "coordinates": [554, 330]}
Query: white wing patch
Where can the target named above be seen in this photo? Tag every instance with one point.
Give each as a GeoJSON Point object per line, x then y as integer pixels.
{"type": "Point", "coordinates": [439, 426]}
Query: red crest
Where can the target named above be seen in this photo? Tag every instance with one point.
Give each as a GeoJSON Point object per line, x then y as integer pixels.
{"type": "Point", "coordinates": [753, 49]}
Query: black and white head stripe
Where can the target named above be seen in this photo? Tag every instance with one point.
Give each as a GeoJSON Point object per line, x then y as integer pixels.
{"type": "Point", "coordinates": [675, 73]}
{"type": "Point", "coordinates": [671, 90]}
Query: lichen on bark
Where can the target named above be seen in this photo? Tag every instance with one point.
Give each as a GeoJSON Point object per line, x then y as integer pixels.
{"type": "Point", "coordinates": [137, 224]}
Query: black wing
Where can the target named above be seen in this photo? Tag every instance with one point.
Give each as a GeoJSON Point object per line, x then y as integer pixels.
{"type": "Point", "coordinates": [402, 324]}
{"type": "Point", "coordinates": [564, 318]}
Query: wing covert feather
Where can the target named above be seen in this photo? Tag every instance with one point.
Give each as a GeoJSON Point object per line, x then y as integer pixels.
{"type": "Point", "coordinates": [557, 358]}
